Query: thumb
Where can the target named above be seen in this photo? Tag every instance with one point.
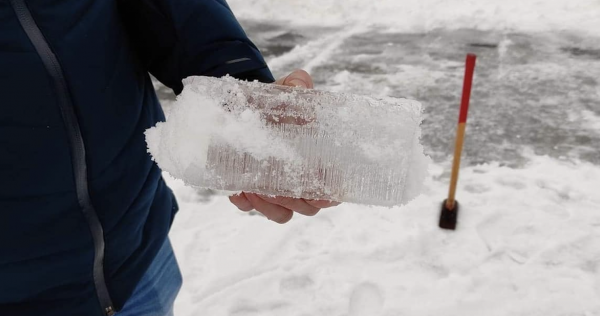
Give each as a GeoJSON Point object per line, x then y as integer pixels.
{"type": "Point", "coordinates": [298, 78]}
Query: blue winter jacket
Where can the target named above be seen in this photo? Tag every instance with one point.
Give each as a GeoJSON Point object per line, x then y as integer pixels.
{"type": "Point", "coordinates": [83, 209]}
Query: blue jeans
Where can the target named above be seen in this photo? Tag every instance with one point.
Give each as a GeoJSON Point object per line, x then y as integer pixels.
{"type": "Point", "coordinates": [158, 288]}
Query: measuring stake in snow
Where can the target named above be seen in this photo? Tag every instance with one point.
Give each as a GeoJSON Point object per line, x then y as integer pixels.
{"type": "Point", "coordinates": [450, 207]}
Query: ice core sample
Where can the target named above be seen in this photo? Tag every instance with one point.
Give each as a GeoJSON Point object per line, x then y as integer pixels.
{"type": "Point", "coordinates": [233, 135]}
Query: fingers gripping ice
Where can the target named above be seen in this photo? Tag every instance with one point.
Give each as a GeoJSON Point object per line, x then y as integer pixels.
{"type": "Point", "coordinates": [232, 135]}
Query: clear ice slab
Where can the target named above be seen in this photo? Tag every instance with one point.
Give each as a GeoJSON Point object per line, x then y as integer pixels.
{"type": "Point", "coordinates": [233, 135]}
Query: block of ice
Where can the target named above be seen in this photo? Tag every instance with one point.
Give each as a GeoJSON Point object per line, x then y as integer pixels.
{"type": "Point", "coordinates": [233, 135]}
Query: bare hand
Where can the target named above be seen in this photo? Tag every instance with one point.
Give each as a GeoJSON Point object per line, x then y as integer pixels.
{"type": "Point", "coordinates": [280, 209]}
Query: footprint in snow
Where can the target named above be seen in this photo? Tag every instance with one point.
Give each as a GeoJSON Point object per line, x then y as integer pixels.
{"type": "Point", "coordinates": [366, 300]}
{"type": "Point", "coordinates": [296, 284]}
{"type": "Point", "coordinates": [511, 182]}
{"type": "Point", "coordinates": [476, 188]}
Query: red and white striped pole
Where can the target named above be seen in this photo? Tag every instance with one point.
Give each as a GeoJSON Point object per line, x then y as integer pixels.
{"type": "Point", "coordinates": [449, 215]}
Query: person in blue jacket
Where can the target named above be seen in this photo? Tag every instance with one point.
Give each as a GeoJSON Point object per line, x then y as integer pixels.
{"type": "Point", "coordinates": [84, 212]}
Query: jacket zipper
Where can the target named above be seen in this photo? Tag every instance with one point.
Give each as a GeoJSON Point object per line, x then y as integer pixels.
{"type": "Point", "coordinates": [77, 147]}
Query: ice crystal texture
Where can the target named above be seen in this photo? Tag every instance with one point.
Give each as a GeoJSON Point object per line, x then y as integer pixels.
{"type": "Point", "coordinates": [232, 135]}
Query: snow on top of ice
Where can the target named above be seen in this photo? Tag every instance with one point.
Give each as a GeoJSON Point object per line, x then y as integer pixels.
{"type": "Point", "coordinates": [424, 15]}
{"type": "Point", "coordinates": [180, 146]}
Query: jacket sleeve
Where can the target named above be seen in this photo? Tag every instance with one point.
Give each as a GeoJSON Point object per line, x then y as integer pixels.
{"type": "Point", "coordinates": [180, 38]}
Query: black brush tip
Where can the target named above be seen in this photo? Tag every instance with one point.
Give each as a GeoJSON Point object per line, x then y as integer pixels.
{"type": "Point", "coordinates": [448, 217]}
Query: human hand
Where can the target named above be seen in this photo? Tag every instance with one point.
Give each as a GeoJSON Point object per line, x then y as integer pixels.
{"type": "Point", "coordinates": [280, 209]}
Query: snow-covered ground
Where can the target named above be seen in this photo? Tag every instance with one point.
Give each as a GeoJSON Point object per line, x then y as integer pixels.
{"type": "Point", "coordinates": [528, 240]}
{"type": "Point", "coordinates": [528, 243]}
